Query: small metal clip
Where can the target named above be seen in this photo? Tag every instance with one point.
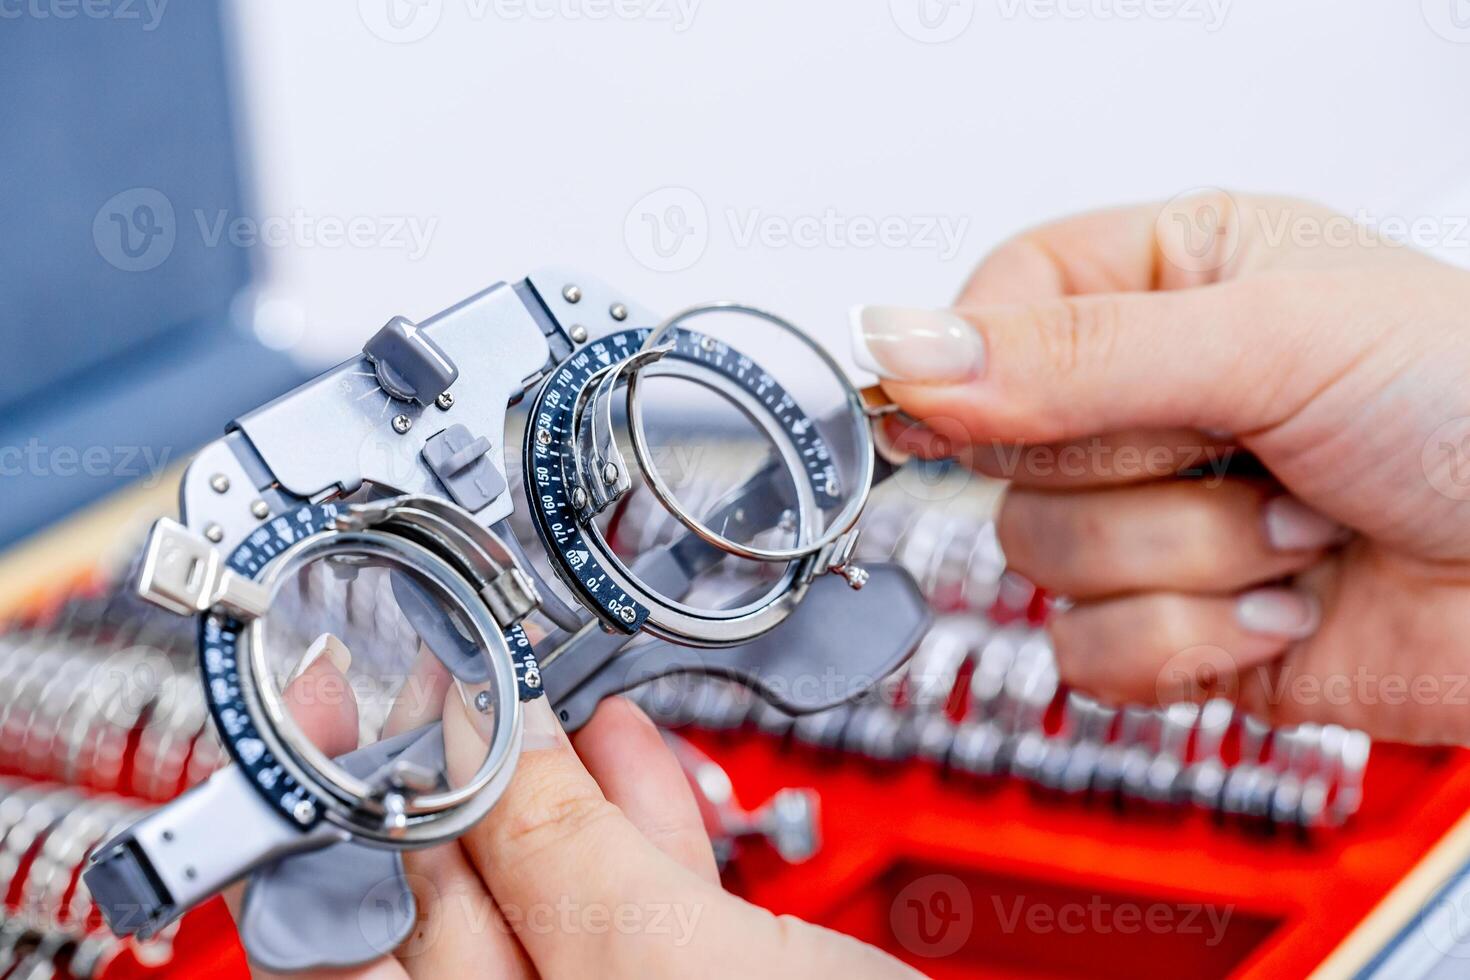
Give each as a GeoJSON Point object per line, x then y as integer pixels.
{"type": "Point", "coordinates": [182, 573]}
{"type": "Point", "coordinates": [511, 596]}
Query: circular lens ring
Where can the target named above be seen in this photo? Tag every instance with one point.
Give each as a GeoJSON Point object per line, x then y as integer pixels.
{"type": "Point", "coordinates": [433, 817]}
{"type": "Point", "coordinates": [839, 525]}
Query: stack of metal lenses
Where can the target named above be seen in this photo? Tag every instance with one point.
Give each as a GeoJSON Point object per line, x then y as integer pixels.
{"type": "Point", "coordinates": [981, 696]}
{"type": "Point", "coordinates": [100, 712]}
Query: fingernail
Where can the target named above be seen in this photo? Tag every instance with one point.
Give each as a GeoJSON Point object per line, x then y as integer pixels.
{"type": "Point", "coordinates": [1293, 526]}
{"type": "Point", "coordinates": [336, 651]}
{"type": "Point", "coordinates": [542, 730]}
{"type": "Point", "coordinates": [1278, 612]}
{"type": "Point", "coordinates": [923, 346]}
{"type": "Point", "coordinates": [481, 719]}
{"type": "Point", "coordinates": [467, 734]}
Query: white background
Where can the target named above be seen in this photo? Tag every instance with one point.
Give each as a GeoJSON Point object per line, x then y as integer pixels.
{"type": "Point", "coordinates": [520, 133]}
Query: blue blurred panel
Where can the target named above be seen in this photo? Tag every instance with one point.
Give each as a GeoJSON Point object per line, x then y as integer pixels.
{"type": "Point", "coordinates": [116, 145]}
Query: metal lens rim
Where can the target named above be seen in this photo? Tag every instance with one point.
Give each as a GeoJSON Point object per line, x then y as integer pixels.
{"type": "Point", "coordinates": [344, 793]}
{"type": "Point", "coordinates": [858, 414]}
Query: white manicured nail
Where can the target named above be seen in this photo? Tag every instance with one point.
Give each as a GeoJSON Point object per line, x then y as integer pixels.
{"type": "Point", "coordinates": [1278, 612]}
{"type": "Point", "coordinates": [336, 651]}
{"type": "Point", "coordinates": [916, 345]}
{"type": "Point", "coordinates": [542, 730]}
{"type": "Point", "coordinates": [1293, 526]}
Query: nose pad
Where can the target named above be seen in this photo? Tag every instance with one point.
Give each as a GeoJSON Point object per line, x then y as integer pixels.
{"type": "Point", "coordinates": [339, 906]}
{"type": "Point", "coordinates": [456, 651]}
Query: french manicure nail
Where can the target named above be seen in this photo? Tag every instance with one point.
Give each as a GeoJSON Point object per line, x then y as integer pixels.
{"type": "Point", "coordinates": [916, 345]}
{"type": "Point", "coordinates": [336, 652]}
{"type": "Point", "coordinates": [542, 730]}
{"type": "Point", "coordinates": [1293, 526]}
{"type": "Point", "coordinates": [480, 718]}
{"type": "Point", "coordinates": [1278, 612]}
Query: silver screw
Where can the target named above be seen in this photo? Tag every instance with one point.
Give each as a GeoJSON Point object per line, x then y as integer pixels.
{"type": "Point", "coordinates": [482, 702]}
{"type": "Point", "coordinates": [543, 436]}
{"type": "Point", "coordinates": [260, 510]}
{"type": "Point", "coordinates": [572, 294]}
{"type": "Point", "coordinates": [402, 423]}
{"type": "Point", "coordinates": [219, 483]}
{"type": "Point", "coordinates": [579, 333]}
{"type": "Point", "coordinates": [579, 498]}
{"type": "Point", "coordinates": [708, 343]}
{"type": "Point", "coordinates": [610, 473]}
{"type": "Point", "coordinates": [445, 401]}
{"type": "Point", "coordinates": [304, 811]}
{"type": "Point", "coordinates": [626, 614]}
{"type": "Point", "coordinates": [214, 533]}
{"type": "Point", "coordinates": [619, 312]}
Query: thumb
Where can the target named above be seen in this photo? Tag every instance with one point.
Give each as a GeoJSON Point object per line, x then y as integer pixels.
{"type": "Point", "coordinates": [1237, 357]}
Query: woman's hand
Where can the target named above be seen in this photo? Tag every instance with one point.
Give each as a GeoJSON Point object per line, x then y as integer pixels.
{"type": "Point", "coordinates": [1097, 361]}
{"type": "Point", "coordinates": [594, 862]}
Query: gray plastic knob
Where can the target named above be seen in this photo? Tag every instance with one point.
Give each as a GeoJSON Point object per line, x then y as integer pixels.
{"type": "Point", "coordinates": [409, 365]}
